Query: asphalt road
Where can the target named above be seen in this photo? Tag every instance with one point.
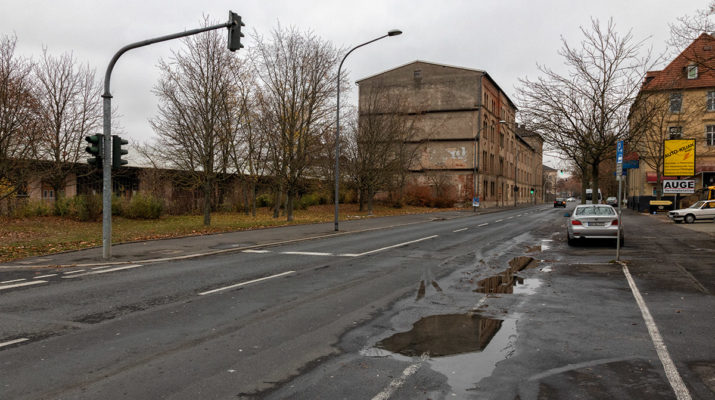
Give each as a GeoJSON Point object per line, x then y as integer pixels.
{"type": "Point", "coordinates": [423, 310]}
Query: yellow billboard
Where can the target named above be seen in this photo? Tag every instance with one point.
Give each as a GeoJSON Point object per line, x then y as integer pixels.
{"type": "Point", "coordinates": [679, 157]}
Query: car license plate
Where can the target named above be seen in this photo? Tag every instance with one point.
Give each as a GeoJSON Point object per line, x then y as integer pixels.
{"type": "Point", "coordinates": [596, 224]}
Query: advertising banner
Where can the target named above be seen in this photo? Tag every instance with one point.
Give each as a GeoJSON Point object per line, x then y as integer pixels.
{"type": "Point", "coordinates": [683, 186]}
{"type": "Point", "coordinates": [679, 157]}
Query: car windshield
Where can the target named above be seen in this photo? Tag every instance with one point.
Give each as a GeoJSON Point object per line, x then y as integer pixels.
{"type": "Point", "coordinates": [697, 204]}
{"type": "Point", "coordinates": [559, 199]}
{"type": "Point", "coordinates": [596, 210]}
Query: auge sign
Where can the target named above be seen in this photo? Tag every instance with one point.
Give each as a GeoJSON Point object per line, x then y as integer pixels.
{"type": "Point", "coordinates": [678, 186]}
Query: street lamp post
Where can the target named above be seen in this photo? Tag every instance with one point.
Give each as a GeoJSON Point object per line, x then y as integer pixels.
{"type": "Point", "coordinates": [393, 32]}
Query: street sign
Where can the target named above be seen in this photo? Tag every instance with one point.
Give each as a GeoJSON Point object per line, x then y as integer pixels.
{"type": "Point", "coordinates": [619, 158]}
{"type": "Point", "coordinates": [475, 202]}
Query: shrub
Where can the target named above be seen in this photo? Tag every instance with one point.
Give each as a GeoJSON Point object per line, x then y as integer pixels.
{"type": "Point", "coordinates": [118, 205]}
{"type": "Point", "coordinates": [143, 207]}
{"type": "Point", "coordinates": [264, 200]}
{"type": "Point", "coordinates": [34, 209]}
{"type": "Point", "coordinates": [87, 207]}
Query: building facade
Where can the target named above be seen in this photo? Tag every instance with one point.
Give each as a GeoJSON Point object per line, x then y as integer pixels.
{"type": "Point", "coordinates": [677, 102]}
{"type": "Point", "coordinates": [468, 144]}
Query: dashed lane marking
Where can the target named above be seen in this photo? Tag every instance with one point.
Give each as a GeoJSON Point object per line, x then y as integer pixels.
{"type": "Point", "coordinates": [484, 224]}
{"type": "Point", "coordinates": [44, 276]}
{"type": "Point", "coordinates": [14, 280]}
{"type": "Point", "coordinates": [11, 342]}
{"type": "Point", "coordinates": [21, 284]}
{"type": "Point", "coordinates": [103, 271]}
{"type": "Point", "coordinates": [398, 382]}
{"type": "Point", "coordinates": [245, 283]}
{"type": "Point", "coordinates": [74, 272]}
{"type": "Point", "coordinates": [388, 247]}
{"type": "Point", "coordinates": [460, 230]}
{"type": "Point", "coordinates": [307, 253]}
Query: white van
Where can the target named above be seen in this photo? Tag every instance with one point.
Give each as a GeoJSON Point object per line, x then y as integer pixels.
{"type": "Point", "coordinates": [589, 197]}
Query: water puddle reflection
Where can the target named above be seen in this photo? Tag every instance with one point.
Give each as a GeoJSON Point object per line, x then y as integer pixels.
{"type": "Point", "coordinates": [505, 281]}
{"type": "Point", "coordinates": [443, 335]}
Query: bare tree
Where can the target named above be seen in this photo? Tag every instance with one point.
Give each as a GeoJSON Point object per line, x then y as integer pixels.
{"type": "Point", "coordinates": [297, 72]}
{"type": "Point", "coordinates": [689, 27]}
{"type": "Point", "coordinates": [69, 109]}
{"type": "Point", "coordinates": [18, 108]}
{"type": "Point", "coordinates": [194, 87]}
{"type": "Point", "coordinates": [584, 112]}
{"type": "Point", "coordinates": [376, 148]}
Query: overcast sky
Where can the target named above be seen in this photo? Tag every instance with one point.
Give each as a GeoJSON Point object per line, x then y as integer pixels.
{"type": "Point", "coordinates": [507, 38]}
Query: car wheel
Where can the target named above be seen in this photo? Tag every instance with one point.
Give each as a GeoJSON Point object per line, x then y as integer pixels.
{"type": "Point", "coordinates": [689, 219]}
{"type": "Point", "coordinates": [569, 240]}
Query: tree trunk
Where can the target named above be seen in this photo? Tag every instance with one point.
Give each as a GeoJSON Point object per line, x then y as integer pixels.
{"type": "Point", "coordinates": [370, 195]}
{"type": "Point", "coordinates": [277, 198]}
{"type": "Point", "coordinates": [594, 183]}
{"type": "Point", "coordinates": [289, 205]}
{"type": "Point", "coordinates": [254, 191]}
{"type": "Point", "coordinates": [207, 202]}
{"type": "Point", "coordinates": [361, 199]}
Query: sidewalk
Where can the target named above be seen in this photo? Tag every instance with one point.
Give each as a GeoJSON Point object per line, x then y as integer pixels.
{"type": "Point", "coordinates": [707, 227]}
{"type": "Point", "coordinates": [197, 246]}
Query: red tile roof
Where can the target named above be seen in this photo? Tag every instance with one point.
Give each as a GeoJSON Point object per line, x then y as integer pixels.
{"type": "Point", "coordinates": [701, 53]}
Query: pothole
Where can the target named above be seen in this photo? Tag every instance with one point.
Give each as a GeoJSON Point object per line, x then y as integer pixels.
{"type": "Point", "coordinates": [505, 281]}
{"type": "Point", "coordinates": [443, 335]}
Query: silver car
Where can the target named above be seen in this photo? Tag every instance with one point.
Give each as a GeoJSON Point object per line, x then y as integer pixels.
{"type": "Point", "coordinates": [593, 221]}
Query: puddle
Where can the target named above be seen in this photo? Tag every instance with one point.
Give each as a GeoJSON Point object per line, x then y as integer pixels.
{"type": "Point", "coordinates": [505, 281]}
{"type": "Point", "coordinates": [443, 335]}
{"type": "Point", "coordinates": [465, 348]}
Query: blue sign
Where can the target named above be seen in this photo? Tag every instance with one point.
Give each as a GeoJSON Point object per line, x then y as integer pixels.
{"type": "Point", "coordinates": [619, 152]}
{"type": "Point", "coordinates": [630, 164]}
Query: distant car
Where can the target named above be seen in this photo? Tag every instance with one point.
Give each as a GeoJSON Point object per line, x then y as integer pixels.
{"type": "Point", "coordinates": [612, 201]}
{"type": "Point", "coordinates": [560, 202]}
{"type": "Point", "coordinates": [701, 210]}
{"type": "Point", "coordinates": [593, 221]}
{"type": "Point", "coordinates": [570, 199]}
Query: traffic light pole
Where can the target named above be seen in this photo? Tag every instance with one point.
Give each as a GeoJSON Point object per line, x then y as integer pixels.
{"type": "Point", "coordinates": [107, 128]}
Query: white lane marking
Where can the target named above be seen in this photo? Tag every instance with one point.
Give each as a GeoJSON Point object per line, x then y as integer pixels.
{"type": "Point", "coordinates": [510, 217]}
{"type": "Point", "coordinates": [307, 253]}
{"type": "Point", "coordinates": [74, 272]}
{"type": "Point", "coordinates": [398, 382]}
{"type": "Point", "coordinates": [460, 230]}
{"type": "Point", "coordinates": [21, 284]}
{"type": "Point", "coordinates": [11, 342]}
{"type": "Point", "coordinates": [676, 382]}
{"type": "Point", "coordinates": [102, 267]}
{"type": "Point", "coordinates": [256, 251]}
{"type": "Point", "coordinates": [388, 247]}
{"type": "Point", "coordinates": [44, 276]}
{"type": "Point", "coordinates": [484, 224]}
{"type": "Point", "coordinates": [14, 280]}
{"type": "Point", "coordinates": [246, 283]}
{"type": "Point", "coordinates": [519, 215]}
{"type": "Point", "coordinates": [103, 271]}
{"type": "Point", "coordinates": [499, 220]}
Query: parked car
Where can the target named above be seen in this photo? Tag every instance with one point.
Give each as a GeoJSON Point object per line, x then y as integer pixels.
{"type": "Point", "coordinates": [701, 210]}
{"type": "Point", "coordinates": [560, 202]}
{"type": "Point", "coordinates": [570, 199]}
{"type": "Point", "coordinates": [593, 221]}
{"type": "Point", "coordinates": [612, 201]}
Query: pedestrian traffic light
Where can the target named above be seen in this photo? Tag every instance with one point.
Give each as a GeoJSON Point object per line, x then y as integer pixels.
{"type": "Point", "coordinates": [96, 149]}
{"type": "Point", "coordinates": [516, 188]}
{"type": "Point", "coordinates": [118, 152]}
{"type": "Point", "coordinates": [234, 31]}
{"type": "Point", "coordinates": [531, 191]}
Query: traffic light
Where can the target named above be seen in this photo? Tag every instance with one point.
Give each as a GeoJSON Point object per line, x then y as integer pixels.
{"type": "Point", "coordinates": [516, 188]}
{"type": "Point", "coordinates": [118, 152]}
{"type": "Point", "coordinates": [234, 31]}
{"type": "Point", "coordinates": [531, 191]}
{"type": "Point", "coordinates": [96, 149]}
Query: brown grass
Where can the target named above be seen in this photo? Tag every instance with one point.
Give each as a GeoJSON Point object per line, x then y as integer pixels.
{"type": "Point", "coordinates": [27, 237]}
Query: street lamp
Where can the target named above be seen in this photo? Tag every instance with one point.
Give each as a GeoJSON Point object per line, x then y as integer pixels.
{"type": "Point", "coordinates": [393, 32]}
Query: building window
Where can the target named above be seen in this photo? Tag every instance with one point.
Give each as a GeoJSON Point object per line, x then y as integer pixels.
{"type": "Point", "coordinates": [676, 101]}
{"type": "Point", "coordinates": [692, 71]}
{"type": "Point", "coordinates": [711, 100]}
{"type": "Point", "coordinates": [676, 132]}
{"type": "Point", "coordinates": [418, 74]}
{"type": "Point", "coordinates": [710, 135]}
